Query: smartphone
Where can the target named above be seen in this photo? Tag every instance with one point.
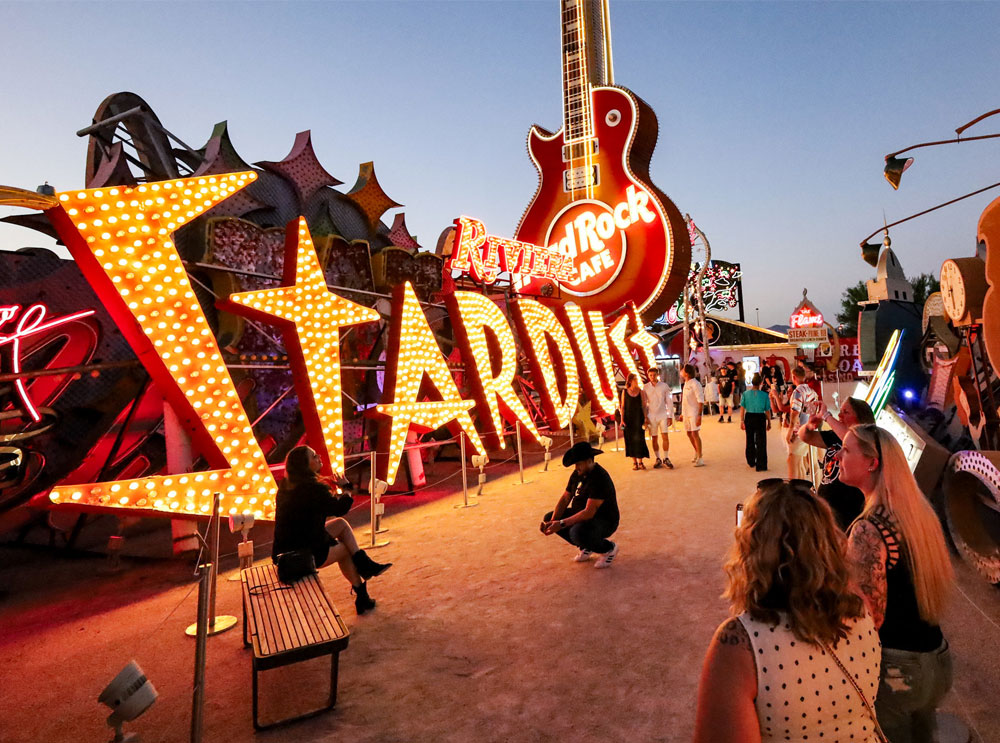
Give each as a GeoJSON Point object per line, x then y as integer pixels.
{"type": "Point", "coordinates": [739, 514]}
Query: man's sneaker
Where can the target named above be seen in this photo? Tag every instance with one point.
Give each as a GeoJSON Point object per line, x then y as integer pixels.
{"type": "Point", "coordinates": [658, 464]}
{"type": "Point", "coordinates": [584, 556]}
{"type": "Point", "coordinates": [604, 561]}
{"type": "Point", "coordinates": [699, 463]}
{"type": "Point", "coordinates": [667, 463]}
{"type": "Point", "coordinates": [720, 419]}
{"type": "Point", "coordinates": [729, 419]}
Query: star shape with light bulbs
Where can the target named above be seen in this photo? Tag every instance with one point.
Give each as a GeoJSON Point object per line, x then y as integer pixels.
{"type": "Point", "coordinates": [417, 356]}
{"type": "Point", "coordinates": [311, 317]}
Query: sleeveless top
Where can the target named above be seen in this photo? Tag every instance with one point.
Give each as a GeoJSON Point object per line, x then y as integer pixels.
{"type": "Point", "coordinates": [802, 695]}
{"type": "Point", "coordinates": [903, 628]}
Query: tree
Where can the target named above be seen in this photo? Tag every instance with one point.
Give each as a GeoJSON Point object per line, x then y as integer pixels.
{"type": "Point", "coordinates": [924, 285]}
{"type": "Point", "coordinates": [848, 315]}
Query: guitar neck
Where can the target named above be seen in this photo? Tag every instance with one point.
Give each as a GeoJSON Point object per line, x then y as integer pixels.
{"type": "Point", "coordinates": [586, 61]}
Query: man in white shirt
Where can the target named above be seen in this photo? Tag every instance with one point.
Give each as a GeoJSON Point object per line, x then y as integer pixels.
{"type": "Point", "coordinates": [659, 407]}
{"type": "Point", "coordinates": [692, 402]}
{"type": "Point", "coordinates": [802, 402]}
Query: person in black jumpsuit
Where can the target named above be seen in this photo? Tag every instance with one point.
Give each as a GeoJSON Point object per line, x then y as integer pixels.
{"type": "Point", "coordinates": [307, 517]}
{"type": "Point", "coordinates": [634, 421]}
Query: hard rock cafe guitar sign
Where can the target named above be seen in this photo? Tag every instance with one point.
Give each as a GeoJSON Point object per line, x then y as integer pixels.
{"type": "Point", "coordinates": [595, 202]}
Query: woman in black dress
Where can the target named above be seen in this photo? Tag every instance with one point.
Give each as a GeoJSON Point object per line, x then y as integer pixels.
{"type": "Point", "coordinates": [307, 517]}
{"type": "Point", "coordinates": [634, 421]}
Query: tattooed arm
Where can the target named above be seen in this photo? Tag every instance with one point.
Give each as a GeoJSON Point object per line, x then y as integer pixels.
{"type": "Point", "coordinates": [866, 554]}
{"type": "Point", "coordinates": [728, 688]}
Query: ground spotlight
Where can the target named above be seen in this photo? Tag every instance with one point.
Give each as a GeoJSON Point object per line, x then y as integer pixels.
{"type": "Point", "coordinates": [127, 696]}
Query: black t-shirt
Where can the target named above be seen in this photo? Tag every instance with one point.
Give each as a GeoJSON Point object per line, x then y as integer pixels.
{"type": "Point", "coordinates": [300, 516]}
{"type": "Point", "coordinates": [847, 502]}
{"type": "Point", "coordinates": [725, 377]}
{"type": "Point", "coordinates": [596, 485]}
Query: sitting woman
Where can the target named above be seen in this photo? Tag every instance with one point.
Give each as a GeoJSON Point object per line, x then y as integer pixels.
{"type": "Point", "coordinates": [901, 563]}
{"type": "Point", "coordinates": [307, 518]}
{"type": "Point", "coordinates": [799, 659]}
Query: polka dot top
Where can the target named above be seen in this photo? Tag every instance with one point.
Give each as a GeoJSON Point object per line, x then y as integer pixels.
{"type": "Point", "coordinates": [802, 694]}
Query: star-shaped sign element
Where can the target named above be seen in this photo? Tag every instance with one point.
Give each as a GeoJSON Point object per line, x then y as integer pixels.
{"type": "Point", "coordinates": [416, 353]}
{"type": "Point", "coordinates": [311, 317]}
{"type": "Point", "coordinates": [643, 340]}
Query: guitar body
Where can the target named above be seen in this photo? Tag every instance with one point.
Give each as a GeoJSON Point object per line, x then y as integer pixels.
{"type": "Point", "coordinates": [629, 242]}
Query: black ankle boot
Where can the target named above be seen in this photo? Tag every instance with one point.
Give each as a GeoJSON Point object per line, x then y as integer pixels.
{"type": "Point", "coordinates": [367, 567]}
{"type": "Point", "coordinates": [362, 601]}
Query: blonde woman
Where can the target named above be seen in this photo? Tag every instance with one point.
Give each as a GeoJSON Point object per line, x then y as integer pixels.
{"type": "Point", "coordinates": [772, 670]}
{"type": "Point", "coordinates": [903, 568]}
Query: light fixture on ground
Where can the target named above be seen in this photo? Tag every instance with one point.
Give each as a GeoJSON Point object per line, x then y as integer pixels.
{"type": "Point", "coordinates": [127, 696]}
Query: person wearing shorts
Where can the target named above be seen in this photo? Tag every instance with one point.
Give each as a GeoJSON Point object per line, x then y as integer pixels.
{"type": "Point", "coordinates": [692, 401]}
{"type": "Point", "coordinates": [659, 415]}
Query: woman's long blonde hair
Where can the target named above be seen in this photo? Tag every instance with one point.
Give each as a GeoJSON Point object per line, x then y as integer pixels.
{"type": "Point", "coordinates": [789, 556]}
{"type": "Point", "coordinates": [897, 492]}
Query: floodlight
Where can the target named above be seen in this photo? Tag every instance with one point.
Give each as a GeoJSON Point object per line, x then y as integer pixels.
{"type": "Point", "coordinates": [241, 523]}
{"type": "Point", "coordinates": [127, 696]}
{"type": "Point", "coordinates": [480, 460]}
{"type": "Point", "coordinates": [379, 488]}
{"type": "Point", "coordinates": [545, 441]}
{"type": "Point", "coordinates": [894, 167]}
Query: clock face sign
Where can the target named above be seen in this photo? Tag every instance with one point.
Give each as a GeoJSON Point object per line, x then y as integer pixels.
{"type": "Point", "coordinates": [952, 290]}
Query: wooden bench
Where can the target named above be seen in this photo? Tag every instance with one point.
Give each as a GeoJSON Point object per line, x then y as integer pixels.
{"type": "Point", "coordinates": [287, 624]}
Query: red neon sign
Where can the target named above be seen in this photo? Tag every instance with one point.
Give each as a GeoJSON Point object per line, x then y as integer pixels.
{"type": "Point", "coordinates": [32, 322]}
{"type": "Point", "coordinates": [806, 317]}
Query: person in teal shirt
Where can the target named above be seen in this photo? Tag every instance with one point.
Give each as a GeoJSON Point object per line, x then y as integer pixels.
{"type": "Point", "coordinates": [755, 419]}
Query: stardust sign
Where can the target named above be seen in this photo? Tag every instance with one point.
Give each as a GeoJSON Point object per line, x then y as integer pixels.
{"type": "Point", "coordinates": [121, 238]}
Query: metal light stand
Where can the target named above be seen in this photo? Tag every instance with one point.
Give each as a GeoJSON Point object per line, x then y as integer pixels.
{"type": "Point", "coordinates": [198, 694]}
{"type": "Point", "coordinates": [465, 475]}
{"type": "Point", "coordinates": [520, 455]}
{"type": "Point", "coordinates": [216, 624]}
{"type": "Point", "coordinates": [377, 509]}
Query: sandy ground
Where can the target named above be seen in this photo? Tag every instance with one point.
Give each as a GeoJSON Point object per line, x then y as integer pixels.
{"type": "Point", "coordinates": [484, 630]}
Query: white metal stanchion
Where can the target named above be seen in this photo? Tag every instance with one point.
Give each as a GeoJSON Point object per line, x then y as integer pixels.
{"type": "Point", "coordinates": [616, 435]}
{"type": "Point", "coordinates": [377, 508]}
{"type": "Point", "coordinates": [465, 475]}
{"type": "Point", "coordinates": [520, 455]}
{"type": "Point", "coordinates": [571, 441]}
{"type": "Point", "coordinates": [216, 624]}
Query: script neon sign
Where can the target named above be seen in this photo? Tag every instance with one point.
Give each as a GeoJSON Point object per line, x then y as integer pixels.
{"type": "Point", "coordinates": [32, 322]}
{"type": "Point", "coordinates": [806, 318]}
{"type": "Point", "coordinates": [485, 257]}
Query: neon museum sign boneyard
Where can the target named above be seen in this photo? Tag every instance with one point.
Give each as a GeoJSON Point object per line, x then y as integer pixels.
{"type": "Point", "coordinates": [121, 238]}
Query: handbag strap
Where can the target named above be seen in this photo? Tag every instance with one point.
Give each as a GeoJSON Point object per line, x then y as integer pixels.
{"type": "Point", "coordinates": [878, 728]}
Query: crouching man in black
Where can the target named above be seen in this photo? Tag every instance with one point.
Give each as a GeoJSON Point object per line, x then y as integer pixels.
{"type": "Point", "coordinates": [587, 512]}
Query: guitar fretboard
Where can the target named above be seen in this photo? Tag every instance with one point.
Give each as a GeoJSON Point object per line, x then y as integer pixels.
{"type": "Point", "coordinates": [577, 122]}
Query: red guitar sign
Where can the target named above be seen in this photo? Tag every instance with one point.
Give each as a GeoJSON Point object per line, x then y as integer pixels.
{"type": "Point", "coordinates": [595, 202]}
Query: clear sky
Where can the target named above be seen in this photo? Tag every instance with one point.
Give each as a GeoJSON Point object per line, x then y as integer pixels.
{"type": "Point", "coordinates": [774, 116]}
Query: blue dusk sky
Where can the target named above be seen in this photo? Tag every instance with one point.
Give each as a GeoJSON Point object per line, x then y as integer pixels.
{"type": "Point", "coordinates": [774, 116]}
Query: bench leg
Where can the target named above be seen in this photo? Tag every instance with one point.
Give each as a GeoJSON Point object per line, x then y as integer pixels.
{"type": "Point", "coordinates": [256, 722]}
{"type": "Point", "coordinates": [334, 671]}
